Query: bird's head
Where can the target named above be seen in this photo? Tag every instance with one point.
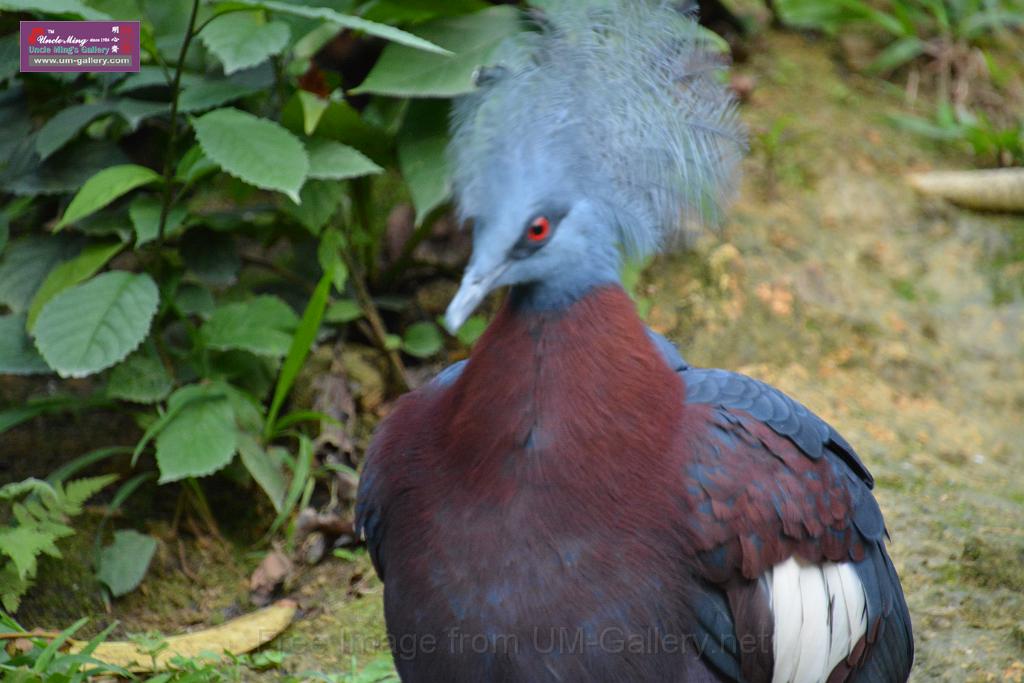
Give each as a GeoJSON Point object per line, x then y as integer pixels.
{"type": "Point", "coordinates": [605, 132]}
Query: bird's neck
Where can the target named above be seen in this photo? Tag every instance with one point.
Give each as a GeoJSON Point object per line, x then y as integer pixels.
{"type": "Point", "coordinates": [559, 385]}
{"type": "Point", "coordinates": [596, 270]}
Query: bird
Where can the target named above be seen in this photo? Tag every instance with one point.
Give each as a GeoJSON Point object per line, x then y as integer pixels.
{"type": "Point", "coordinates": [574, 501]}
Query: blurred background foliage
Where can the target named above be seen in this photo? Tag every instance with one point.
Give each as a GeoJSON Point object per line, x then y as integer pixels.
{"type": "Point", "coordinates": [227, 263]}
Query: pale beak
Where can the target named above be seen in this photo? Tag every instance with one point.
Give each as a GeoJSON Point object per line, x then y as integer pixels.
{"type": "Point", "coordinates": [475, 286]}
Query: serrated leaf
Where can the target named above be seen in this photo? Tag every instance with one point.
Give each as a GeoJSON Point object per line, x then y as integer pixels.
{"type": "Point", "coordinates": [472, 38]}
{"type": "Point", "coordinates": [422, 155]}
{"type": "Point", "coordinates": [69, 274]}
{"type": "Point", "coordinates": [17, 354]}
{"type": "Point", "coordinates": [205, 95]}
{"type": "Point", "coordinates": [144, 213]}
{"type": "Point", "coordinates": [53, 7]}
{"type": "Point", "coordinates": [320, 200]}
{"type": "Point", "coordinates": [91, 326]}
{"type": "Point", "coordinates": [265, 469]}
{"type": "Point", "coordinates": [331, 160]}
{"type": "Point", "coordinates": [313, 107]}
{"type": "Point", "coordinates": [254, 150]}
{"type": "Point", "coordinates": [243, 39]}
{"type": "Point", "coordinates": [66, 123]}
{"type": "Point", "coordinates": [25, 264]}
{"type": "Point", "coordinates": [348, 21]}
{"type": "Point", "coordinates": [262, 325]}
{"type": "Point", "coordinates": [201, 436]}
{"type": "Point", "coordinates": [422, 340]}
{"type": "Point", "coordinates": [23, 544]}
{"type": "Point", "coordinates": [140, 378]}
{"type": "Point", "coordinates": [78, 491]}
{"type": "Point", "coordinates": [105, 187]}
{"type": "Point", "coordinates": [123, 564]}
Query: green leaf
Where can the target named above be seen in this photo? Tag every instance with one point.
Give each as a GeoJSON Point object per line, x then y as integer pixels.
{"type": "Point", "coordinates": [320, 200]}
{"type": "Point", "coordinates": [313, 107]}
{"type": "Point", "coordinates": [66, 123]}
{"type": "Point", "coordinates": [53, 7]}
{"type": "Point", "coordinates": [265, 468]}
{"type": "Point", "coordinates": [418, 11]}
{"type": "Point", "coordinates": [422, 339]}
{"type": "Point", "coordinates": [200, 437]}
{"type": "Point", "coordinates": [328, 253]}
{"type": "Point", "coordinates": [262, 325]}
{"type": "Point", "coordinates": [347, 21]}
{"type": "Point", "coordinates": [208, 94]}
{"type": "Point", "coordinates": [300, 474]}
{"type": "Point", "coordinates": [5, 230]}
{"type": "Point", "coordinates": [144, 212]}
{"type": "Point", "coordinates": [105, 187]}
{"type": "Point", "coordinates": [331, 160]}
{"type": "Point", "coordinates": [9, 56]}
{"type": "Point", "coordinates": [243, 39]}
{"type": "Point", "coordinates": [123, 564]}
{"type": "Point", "coordinates": [897, 54]}
{"type": "Point", "coordinates": [254, 150]}
{"type": "Point", "coordinates": [473, 39]}
{"type": "Point", "coordinates": [302, 341]}
{"type": "Point", "coordinates": [25, 264]}
{"type": "Point", "coordinates": [70, 273]}
{"type": "Point", "coordinates": [194, 166]}
{"type": "Point", "coordinates": [471, 330]}
{"type": "Point", "coordinates": [140, 378]}
{"type": "Point", "coordinates": [23, 544]}
{"type": "Point", "coordinates": [343, 311]}
{"type": "Point", "coordinates": [91, 326]}
{"type": "Point", "coordinates": [422, 156]}
{"type": "Point", "coordinates": [191, 299]}
{"type": "Point", "coordinates": [135, 112]}
{"type": "Point", "coordinates": [17, 354]}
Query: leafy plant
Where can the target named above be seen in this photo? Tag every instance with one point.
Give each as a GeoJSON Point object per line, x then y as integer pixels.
{"type": "Point", "coordinates": [43, 659]}
{"type": "Point", "coordinates": [184, 235]}
{"type": "Point", "coordinates": [947, 33]}
{"type": "Point", "coordinates": [988, 142]}
{"type": "Point", "coordinates": [35, 515]}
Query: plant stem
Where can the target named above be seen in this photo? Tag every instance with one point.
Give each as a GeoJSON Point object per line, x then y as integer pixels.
{"type": "Point", "coordinates": [172, 139]}
{"type": "Point", "coordinates": [378, 332]}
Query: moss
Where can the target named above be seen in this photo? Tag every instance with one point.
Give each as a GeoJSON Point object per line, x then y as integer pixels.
{"type": "Point", "coordinates": [993, 565]}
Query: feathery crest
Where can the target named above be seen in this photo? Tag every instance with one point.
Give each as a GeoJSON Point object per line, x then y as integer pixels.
{"type": "Point", "coordinates": [618, 102]}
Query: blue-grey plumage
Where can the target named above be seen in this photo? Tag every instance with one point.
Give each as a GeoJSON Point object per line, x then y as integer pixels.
{"type": "Point", "coordinates": [613, 123]}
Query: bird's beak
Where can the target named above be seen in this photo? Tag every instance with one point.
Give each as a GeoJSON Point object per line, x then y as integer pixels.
{"type": "Point", "coordinates": [475, 286]}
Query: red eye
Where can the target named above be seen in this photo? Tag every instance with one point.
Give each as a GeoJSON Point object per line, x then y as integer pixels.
{"type": "Point", "coordinates": [539, 229]}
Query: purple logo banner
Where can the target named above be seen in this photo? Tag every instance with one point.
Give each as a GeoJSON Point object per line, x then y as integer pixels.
{"type": "Point", "coordinates": [80, 46]}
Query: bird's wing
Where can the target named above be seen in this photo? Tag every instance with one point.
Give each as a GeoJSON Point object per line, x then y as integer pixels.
{"type": "Point", "coordinates": [782, 517]}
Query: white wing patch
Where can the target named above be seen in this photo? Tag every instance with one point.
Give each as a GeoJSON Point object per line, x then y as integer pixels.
{"type": "Point", "coordinates": [820, 614]}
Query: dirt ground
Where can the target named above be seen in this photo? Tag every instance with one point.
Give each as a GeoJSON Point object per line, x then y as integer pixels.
{"type": "Point", "coordinates": [899, 320]}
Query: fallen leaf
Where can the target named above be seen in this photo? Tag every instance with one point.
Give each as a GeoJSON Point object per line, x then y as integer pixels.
{"type": "Point", "coordinates": [233, 637]}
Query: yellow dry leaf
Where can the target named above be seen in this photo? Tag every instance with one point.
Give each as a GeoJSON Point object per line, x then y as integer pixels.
{"type": "Point", "coordinates": [237, 636]}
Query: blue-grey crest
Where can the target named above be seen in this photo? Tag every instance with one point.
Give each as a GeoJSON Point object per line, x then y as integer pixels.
{"type": "Point", "coordinates": [608, 129]}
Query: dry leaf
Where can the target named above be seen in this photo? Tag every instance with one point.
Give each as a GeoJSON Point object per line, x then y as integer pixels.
{"type": "Point", "coordinates": [237, 636]}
